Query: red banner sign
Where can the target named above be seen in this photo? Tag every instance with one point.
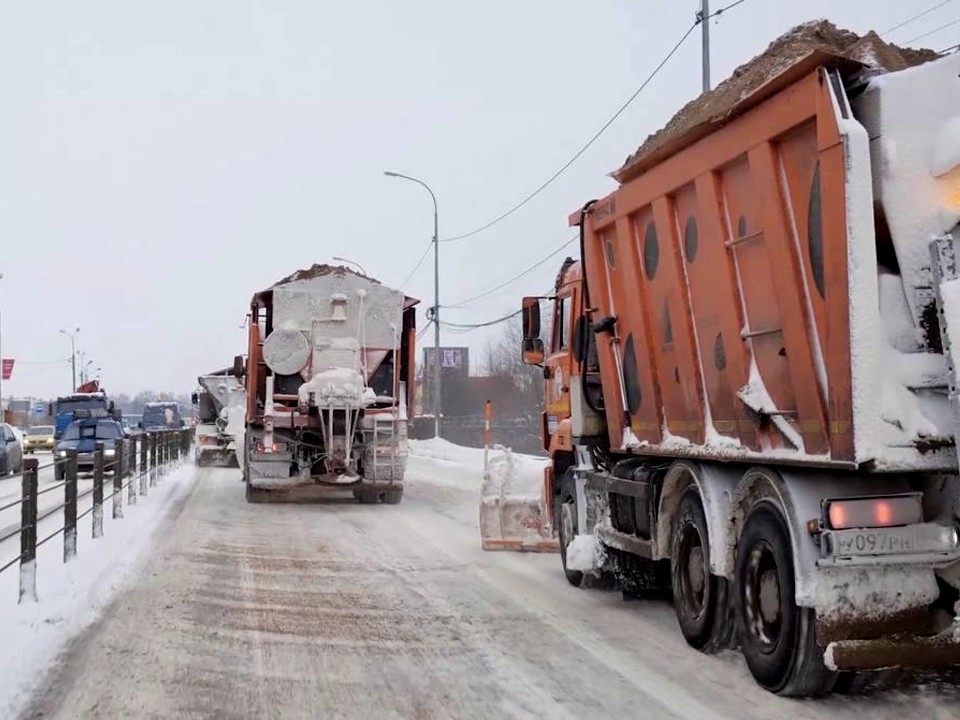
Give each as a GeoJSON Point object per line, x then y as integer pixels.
{"type": "Point", "coordinates": [7, 368]}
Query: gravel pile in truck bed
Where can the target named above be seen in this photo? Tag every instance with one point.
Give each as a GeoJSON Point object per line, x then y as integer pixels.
{"type": "Point", "coordinates": [783, 52]}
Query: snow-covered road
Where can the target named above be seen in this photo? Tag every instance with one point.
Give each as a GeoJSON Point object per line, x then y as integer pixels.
{"type": "Point", "coordinates": [350, 611]}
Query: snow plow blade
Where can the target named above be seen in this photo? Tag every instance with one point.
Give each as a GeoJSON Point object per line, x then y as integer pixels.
{"type": "Point", "coordinates": [907, 651]}
{"type": "Point", "coordinates": [513, 515]}
{"type": "Point", "coordinates": [218, 458]}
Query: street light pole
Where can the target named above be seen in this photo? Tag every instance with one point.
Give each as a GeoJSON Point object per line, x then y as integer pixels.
{"type": "Point", "coordinates": [437, 406]}
{"type": "Point", "coordinates": [73, 355]}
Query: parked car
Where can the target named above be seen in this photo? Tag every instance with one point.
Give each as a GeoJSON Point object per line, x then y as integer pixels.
{"type": "Point", "coordinates": [83, 435]}
{"type": "Point", "coordinates": [39, 437]}
{"type": "Point", "coordinates": [11, 449]}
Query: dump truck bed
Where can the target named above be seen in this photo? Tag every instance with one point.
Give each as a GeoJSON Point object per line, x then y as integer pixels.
{"type": "Point", "coordinates": [740, 260]}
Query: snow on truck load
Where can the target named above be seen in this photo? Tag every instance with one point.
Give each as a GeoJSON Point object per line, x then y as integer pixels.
{"type": "Point", "coordinates": [329, 377]}
{"type": "Point", "coordinates": [751, 389]}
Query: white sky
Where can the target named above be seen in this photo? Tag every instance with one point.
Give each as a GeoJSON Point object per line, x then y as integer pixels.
{"type": "Point", "coordinates": [159, 162]}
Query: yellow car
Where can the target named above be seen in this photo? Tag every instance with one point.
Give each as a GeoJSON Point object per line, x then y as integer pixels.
{"type": "Point", "coordinates": [39, 437]}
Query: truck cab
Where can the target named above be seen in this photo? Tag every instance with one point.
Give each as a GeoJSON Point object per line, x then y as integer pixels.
{"type": "Point", "coordinates": [569, 360]}
{"type": "Point", "coordinates": [66, 408]}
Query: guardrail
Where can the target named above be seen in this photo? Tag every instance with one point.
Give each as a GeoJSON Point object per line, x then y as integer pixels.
{"type": "Point", "coordinates": [137, 463]}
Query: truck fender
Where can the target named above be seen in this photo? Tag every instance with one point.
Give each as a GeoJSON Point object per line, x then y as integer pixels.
{"type": "Point", "coordinates": [716, 486]}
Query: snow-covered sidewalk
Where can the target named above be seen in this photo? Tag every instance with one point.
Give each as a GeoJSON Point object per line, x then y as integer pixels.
{"type": "Point", "coordinates": [71, 596]}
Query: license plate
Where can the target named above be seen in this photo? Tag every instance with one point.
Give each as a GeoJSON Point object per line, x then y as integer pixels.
{"type": "Point", "coordinates": [878, 542]}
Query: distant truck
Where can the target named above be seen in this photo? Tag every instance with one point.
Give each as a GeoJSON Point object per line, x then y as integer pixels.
{"type": "Point", "coordinates": [751, 391]}
{"type": "Point", "coordinates": [221, 408]}
{"type": "Point", "coordinates": [329, 377]}
{"type": "Point", "coordinates": [161, 415]}
{"type": "Point", "coordinates": [94, 402]}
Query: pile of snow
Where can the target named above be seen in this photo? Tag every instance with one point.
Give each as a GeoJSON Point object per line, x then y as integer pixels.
{"type": "Point", "coordinates": [517, 473]}
{"type": "Point", "coordinates": [72, 596]}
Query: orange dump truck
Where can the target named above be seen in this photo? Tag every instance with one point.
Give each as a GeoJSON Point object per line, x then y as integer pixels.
{"type": "Point", "coordinates": [751, 395]}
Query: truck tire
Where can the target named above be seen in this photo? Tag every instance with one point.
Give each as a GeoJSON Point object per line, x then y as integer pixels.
{"type": "Point", "coordinates": [695, 590]}
{"type": "Point", "coordinates": [777, 637]}
{"type": "Point", "coordinates": [367, 497]}
{"type": "Point", "coordinates": [566, 524]}
{"type": "Point", "coordinates": [393, 496]}
{"type": "Point", "coordinates": [382, 470]}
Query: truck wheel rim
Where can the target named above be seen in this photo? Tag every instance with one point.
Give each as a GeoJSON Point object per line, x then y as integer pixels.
{"type": "Point", "coordinates": [762, 598]}
{"type": "Point", "coordinates": [692, 571]}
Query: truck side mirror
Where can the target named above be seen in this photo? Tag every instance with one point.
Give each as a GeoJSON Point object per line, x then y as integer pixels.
{"type": "Point", "coordinates": [532, 351]}
{"type": "Point", "coordinates": [238, 366]}
{"type": "Point", "coordinates": [531, 319]}
{"type": "Point", "coordinates": [195, 398]}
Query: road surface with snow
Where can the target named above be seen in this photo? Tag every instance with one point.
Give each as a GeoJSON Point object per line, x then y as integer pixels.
{"type": "Point", "coordinates": [351, 611]}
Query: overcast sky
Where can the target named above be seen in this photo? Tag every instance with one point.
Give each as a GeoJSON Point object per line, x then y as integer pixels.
{"type": "Point", "coordinates": [159, 162]}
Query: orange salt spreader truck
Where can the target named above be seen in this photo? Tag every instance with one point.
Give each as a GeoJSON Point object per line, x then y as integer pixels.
{"type": "Point", "coordinates": [751, 394]}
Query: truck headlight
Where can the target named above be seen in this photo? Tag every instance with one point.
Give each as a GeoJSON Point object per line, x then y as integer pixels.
{"type": "Point", "coordinates": [109, 452]}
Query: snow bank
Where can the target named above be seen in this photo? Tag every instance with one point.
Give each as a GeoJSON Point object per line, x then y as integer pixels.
{"type": "Point", "coordinates": [520, 474]}
{"type": "Point", "coordinates": [72, 596]}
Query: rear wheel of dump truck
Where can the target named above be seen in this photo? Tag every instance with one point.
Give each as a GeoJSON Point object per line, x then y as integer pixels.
{"type": "Point", "coordinates": [695, 590]}
{"type": "Point", "coordinates": [777, 637]}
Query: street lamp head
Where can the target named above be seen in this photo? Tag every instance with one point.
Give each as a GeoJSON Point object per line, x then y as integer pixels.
{"type": "Point", "coordinates": [388, 173]}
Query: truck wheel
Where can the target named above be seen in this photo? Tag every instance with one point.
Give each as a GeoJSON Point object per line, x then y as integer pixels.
{"type": "Point", "coordinates": [393, 497]}
{"type": "Point", "coordinates": [367, 497]}
{"type": "Point", "coordinates": [777, 637]}
{"type": "Point", "coordinates": [694, 588]}
{"type": "Point", "coordinates": [566, 524]}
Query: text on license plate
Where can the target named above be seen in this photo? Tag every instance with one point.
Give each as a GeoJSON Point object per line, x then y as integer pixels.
{"type": "Point", "coordinates": [876, 542]}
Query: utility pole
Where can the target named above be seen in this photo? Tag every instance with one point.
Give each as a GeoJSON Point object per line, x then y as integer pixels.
{"type": "Point", "coordinates": [705, 30]}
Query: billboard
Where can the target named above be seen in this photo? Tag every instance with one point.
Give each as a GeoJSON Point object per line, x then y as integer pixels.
{"type": "Point", "coordinates": [451, 358]}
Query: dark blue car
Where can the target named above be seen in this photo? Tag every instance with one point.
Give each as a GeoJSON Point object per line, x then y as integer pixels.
{"type": "Point", "coordinates": [83, 435]}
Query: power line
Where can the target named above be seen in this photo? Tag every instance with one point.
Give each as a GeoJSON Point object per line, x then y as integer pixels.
{"type": "Point", "coordinates": [517, 276]}
{"type": "Point", "coordinates": [415, 267]}
{"type": "Point", "coordinates": [589, 143]}
{"type": "Point", "coordinates": [732, 5]}
{"type": "Point", "coordinates": [931, 32]}
{"type": "Point", "coordinates": [424, 330]}
{"type": "Point", "coordinates": [916, 17]}
{"type": "Point", "coordinates": [41, 362]}
{"type": "Point", "coordinates": [477, 326]}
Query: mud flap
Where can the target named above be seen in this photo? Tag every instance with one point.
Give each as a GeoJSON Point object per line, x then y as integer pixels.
{"type": "Point", "coordinates": [512, 517]}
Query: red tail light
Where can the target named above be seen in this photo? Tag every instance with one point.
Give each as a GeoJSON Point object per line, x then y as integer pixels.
{"type": "Point", "coordinates": [873, 512]}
